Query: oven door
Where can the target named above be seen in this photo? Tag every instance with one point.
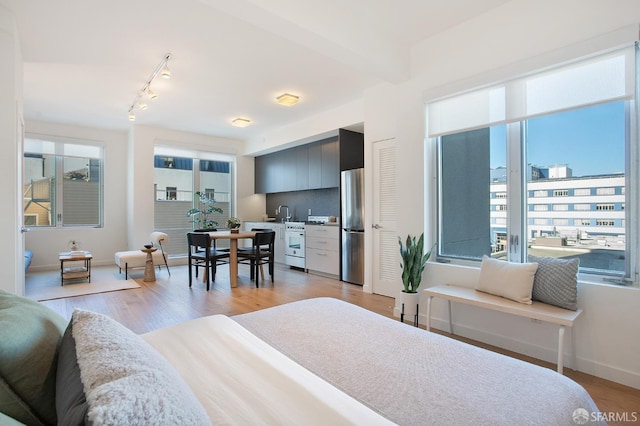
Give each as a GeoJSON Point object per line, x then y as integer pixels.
{"type": "Point", "coordinates": [294, 243]}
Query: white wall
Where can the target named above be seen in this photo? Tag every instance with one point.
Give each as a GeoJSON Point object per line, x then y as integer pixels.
{"type": "Point", "coordinates": [11, 248]}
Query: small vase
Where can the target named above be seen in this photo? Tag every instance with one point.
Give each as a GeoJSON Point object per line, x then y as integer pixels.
{"type": "Point", "coordinates": [235, 230]}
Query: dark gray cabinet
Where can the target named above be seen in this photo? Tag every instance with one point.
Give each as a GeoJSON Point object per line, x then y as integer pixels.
{"type": "Point", "coordinates": [330, 165]}
{"type": "Point", "coordinates": [313, 166]}
{"type": "Point", "coordinates": [302, 168]}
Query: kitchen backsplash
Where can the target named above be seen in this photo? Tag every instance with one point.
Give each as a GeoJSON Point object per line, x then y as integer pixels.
{"type": "Point", "coordinates": [322, 202]}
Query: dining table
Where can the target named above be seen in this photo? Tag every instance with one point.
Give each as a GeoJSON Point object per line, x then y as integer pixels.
{"type": "Point", "coordinates": [233, 238]}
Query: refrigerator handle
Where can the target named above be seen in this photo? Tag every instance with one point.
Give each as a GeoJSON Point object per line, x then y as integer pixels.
{"type": "Point", "coordinates": [376, 226]}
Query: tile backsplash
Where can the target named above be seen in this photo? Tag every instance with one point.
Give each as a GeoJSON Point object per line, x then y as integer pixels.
{"type": "Point", "coordinates": [322, 202]}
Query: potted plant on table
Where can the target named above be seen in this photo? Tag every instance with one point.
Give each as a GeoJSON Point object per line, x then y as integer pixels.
{"type": "Point", "coordinates": [201, 214]}
{"type": "Point", "coordinates": [413, 262]}
{"type": "Point", "coordinates": [233, 223]}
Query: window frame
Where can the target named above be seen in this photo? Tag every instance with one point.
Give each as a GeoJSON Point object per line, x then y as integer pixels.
{"type": "Point", "coordinates": [632, 170]}
{"type": "Point", "coordinates": [58, 171]}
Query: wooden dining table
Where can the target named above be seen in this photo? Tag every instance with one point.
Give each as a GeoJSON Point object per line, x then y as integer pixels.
{"type": "Point", "coordinates": [233, 238]}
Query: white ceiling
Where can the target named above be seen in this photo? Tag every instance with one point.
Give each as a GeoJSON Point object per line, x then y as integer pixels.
{"type": "Point", "coordinates": [85, 60]}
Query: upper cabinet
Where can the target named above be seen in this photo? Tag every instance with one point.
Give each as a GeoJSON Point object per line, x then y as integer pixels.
{"type": "Point", "coordinates": [313, 166]}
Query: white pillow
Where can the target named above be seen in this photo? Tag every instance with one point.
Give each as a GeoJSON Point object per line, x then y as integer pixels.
{"type": "Point", "coordinates": [126, 381]}
{"type": "Point", "coordinates": [511, 280]}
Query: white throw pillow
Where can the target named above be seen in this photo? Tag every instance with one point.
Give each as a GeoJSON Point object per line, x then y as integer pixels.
{"type": "Point", "coordinates": [511, 280]}
{"type": "Point", "coordinates": [126, 381]}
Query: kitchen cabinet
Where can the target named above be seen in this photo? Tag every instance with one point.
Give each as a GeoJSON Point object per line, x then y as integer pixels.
{"type": "Point", "coordinates": [312, 166]}
{"type": "Point", "coordinates": [279, 242]}
{"type": "Point", "coordinates": [322, 254]}
{"type": "Point", "coordinates": [302, 168]}
{"type": "Point", "coordinates": [330, 168]}
{"type": "Point", "coordinates": [315, 166]}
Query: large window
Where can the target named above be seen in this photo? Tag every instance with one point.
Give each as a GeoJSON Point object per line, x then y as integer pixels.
{"type": "Point", "coordinates": [63, 183]}
{"type": "Point", "coordinates": [177, 176]}
{"type": "Point", "coordinates": [557, 134]}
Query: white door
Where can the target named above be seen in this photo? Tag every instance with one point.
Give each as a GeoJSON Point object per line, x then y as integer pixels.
{"type": "Point", "coordinates": [386, 266]}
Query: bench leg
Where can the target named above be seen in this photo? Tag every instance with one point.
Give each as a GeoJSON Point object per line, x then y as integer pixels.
{"type": "Point", "coordinates": [450, 318]}
{"type": "Point", "coordinates": [428, 321]}
{"type": "Point", "coordinates": [560, 349]}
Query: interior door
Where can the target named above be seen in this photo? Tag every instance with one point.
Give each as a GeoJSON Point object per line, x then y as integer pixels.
{"type": "Point", "coordinates": [386, 266]}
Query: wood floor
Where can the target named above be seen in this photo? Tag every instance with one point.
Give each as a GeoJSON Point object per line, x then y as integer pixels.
{"type": "Point", "coordinates": [169, 301]}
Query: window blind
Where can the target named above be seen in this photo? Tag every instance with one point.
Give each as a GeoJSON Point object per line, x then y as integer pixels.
{"type": "Point", "coordinates": [587, 82]}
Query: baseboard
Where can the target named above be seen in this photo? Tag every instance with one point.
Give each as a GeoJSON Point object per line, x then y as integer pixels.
{"type": "Point", "coordinates": [595, 368]}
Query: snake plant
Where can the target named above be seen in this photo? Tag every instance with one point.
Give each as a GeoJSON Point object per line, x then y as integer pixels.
{"type": "Point", "coordinates": [413, 262]}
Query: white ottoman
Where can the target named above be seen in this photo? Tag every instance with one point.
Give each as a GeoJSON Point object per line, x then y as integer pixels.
{"type": "Point", "coordinates": [137, 258]}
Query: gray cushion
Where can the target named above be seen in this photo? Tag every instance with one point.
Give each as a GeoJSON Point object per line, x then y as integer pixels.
{"type": "Point", "coordinates": [556, 281]}
{"type": "Point", "coordinates": [29, 338]}
{"type": "Point", "coordinates": [71, 403]}
{"type": "Point", "coordinates": [125, 380]}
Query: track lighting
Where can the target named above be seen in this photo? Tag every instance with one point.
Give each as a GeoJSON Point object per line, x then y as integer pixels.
{"type": "Point", "coordinates": [165, 73]}
{"type": "Point", "coordinates": [138, 101]}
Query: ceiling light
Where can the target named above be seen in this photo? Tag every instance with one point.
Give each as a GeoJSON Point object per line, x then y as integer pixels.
{"type": "Point", "coordinates": [165, 73]}
{"type": "Point", "coordinates": [287, 99]}
{"type": "Point", "coordinates": [161, 69]}
{"type": "Point", "coordinates": [241, 122]}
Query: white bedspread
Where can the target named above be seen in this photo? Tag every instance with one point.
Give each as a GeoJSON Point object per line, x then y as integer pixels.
{"type": "Point", "coordinates": [240, 379]}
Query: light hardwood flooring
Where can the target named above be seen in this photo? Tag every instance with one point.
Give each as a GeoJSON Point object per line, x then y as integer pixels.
{"type": "Point", "coordinates": [169, 300]}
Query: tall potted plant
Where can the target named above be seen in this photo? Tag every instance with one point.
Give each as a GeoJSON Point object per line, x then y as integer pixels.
{"type": "Point", "coordinates": [413, 262]}
{"type": "Point", "coordinates": [201, 213]}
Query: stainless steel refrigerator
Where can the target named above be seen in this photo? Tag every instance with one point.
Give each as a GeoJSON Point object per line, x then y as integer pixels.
{"type": "Point", "coordinates": [352, 223]}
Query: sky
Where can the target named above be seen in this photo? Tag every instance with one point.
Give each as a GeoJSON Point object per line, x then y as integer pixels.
{"type": "Point", "coordinates": [590, 141]}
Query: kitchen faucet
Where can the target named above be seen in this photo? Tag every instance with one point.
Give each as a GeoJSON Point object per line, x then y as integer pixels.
{"type": "Point", "coordinates": [287, 207]}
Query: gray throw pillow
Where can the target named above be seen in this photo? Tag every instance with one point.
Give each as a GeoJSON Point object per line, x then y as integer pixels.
{"type": "Point", "coordinates": [556, 281]}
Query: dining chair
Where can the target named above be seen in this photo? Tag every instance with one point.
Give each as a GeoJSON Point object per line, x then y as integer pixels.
{"type": "Point", "coordinates": [203, 254]}
{"type": "Point", "coordinates": [261, 253]}
{"type": "Point", "coordinates": [250, 248]}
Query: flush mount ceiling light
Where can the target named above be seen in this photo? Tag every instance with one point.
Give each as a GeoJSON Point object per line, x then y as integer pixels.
{"type": "Point", "coordinates": [240, 122]}
{"type": "Point", "coordinates": [161, 69]}
{"type": "Point", "coordinates": [287, 99]}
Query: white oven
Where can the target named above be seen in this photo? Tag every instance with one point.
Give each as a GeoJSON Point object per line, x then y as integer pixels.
{"type": "Point", "coordinates": [294, 244]}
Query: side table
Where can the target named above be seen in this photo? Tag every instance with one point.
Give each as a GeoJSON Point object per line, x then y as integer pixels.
{"type": "Point", "coordinates": [149, 270]}
{"type": "Point", "coordinates": [75, 272]}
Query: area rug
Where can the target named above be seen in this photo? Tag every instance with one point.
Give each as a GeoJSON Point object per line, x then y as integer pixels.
{"type": "Point", "coordinates": [72, 289]}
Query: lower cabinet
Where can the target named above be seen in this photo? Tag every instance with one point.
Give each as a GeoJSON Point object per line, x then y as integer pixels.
{"type": "Point", "coordinates": [323, 249]}
{"type": "Point", "coordinates": [277, 227]}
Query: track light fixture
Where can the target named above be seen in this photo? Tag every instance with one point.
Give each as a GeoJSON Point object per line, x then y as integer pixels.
{"type": "Point", "coordinates": [161, 69]}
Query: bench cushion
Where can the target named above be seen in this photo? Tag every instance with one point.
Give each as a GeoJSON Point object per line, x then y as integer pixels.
{"type": "Point", "coordinates": [511, 280]}
{"type": "Point", "coordinates": [556, 281]}
{"type": "Point", "coordinates": [137, 258]}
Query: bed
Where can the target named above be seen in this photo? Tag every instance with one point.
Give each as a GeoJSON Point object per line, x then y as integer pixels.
{"type": "Point", "coordinates": [316, 361]}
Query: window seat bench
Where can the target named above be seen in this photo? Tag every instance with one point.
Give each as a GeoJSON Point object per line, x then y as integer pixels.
{"type": "Point", "coordinates": [536, 311]}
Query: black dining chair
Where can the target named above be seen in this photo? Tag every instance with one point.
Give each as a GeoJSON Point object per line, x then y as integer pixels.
{"type": "Point", "coordinates": [203, 254]}
{"type": "Point", "coordinates": [261, 253]}
{"type": "Point", "coordinates": [256, 230]}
